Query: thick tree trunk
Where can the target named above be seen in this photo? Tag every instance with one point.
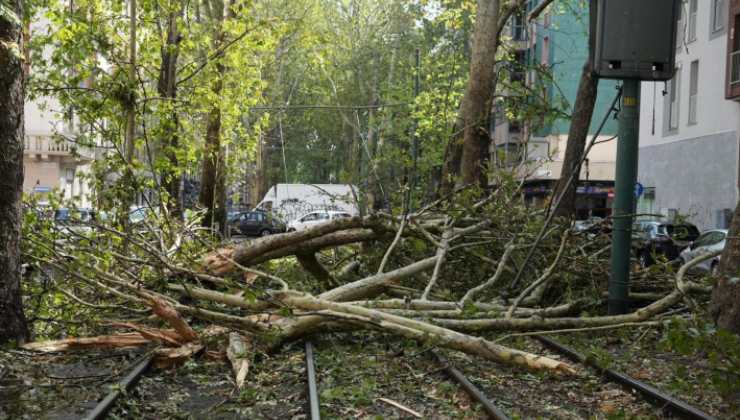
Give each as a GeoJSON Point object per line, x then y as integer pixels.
{"type": "Point", "coordinates": [725, 307]}
{"type": "Point", "coordinates": [476, 104]}
{"type": "Point", "coordinates": [580, 122]}
{"type": "Point", "coordinates": [167, 88]}
{"type": "Point", "coordinates": [12, 321]}
{"type": "Point", "coordinates": [213, 179]}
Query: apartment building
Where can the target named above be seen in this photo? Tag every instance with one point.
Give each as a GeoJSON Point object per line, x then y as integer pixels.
{"type": "Point", "coordinates": [52, 161]}
{"type": "Point", "coordinates": [549, 56]}
{"type": "Point", "coordinates": [688, 161]}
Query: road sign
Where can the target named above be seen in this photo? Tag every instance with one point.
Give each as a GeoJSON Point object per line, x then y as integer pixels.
{"type": "Point", "coordinates": [639, 189]}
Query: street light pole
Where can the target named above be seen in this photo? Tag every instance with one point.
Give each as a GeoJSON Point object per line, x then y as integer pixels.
{"type": "Point", "coordinates": [625, 179]}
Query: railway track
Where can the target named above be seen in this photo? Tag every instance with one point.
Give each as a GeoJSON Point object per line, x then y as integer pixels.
{"type": "Point", "coordinates": [655, 396]}
{"type": "Point", "coordinates": [666, 403]}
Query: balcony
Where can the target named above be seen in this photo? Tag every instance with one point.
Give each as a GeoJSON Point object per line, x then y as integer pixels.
{"type": "Point", "coordinates": [47, 147]}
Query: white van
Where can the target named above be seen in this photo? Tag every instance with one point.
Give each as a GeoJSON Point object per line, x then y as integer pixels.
{"type": "Point", "coordinates": [291, 201]}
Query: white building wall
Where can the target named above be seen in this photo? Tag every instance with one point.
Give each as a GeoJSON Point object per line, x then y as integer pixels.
{"type": "Point", "coordinates": [694, 167]}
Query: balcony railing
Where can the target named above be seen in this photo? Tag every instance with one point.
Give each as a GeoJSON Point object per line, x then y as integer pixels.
{"type": "Point", "coordinates": [735, 69]}
{"type": "Point", "coordinates": [45, 145]}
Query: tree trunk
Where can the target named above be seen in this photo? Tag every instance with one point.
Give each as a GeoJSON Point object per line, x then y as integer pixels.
{"type": "Point", "coordinates": [12, 321]}
{"type": "Point", "coordinates": [167, 88]}
{"type": "Point", "coordinates": [212, 186]}
{"type": "Point", "coordinates": [476, 104]}
{"type": "Point", "coordinates": [127, 179]}
{"type": "Point", "coordinates": [725, 306]}
{"type": "Point", "coordinates": [213, 179]}
{"type": "Point", "coordinates": [583, 110]}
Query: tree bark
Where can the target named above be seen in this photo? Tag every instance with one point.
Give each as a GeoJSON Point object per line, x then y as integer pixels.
{"type": "Point", "coordinates": [725, 306]}
{"type": "Point", "coordinates": [476, 104]}
{"type": "Point", "coordinates": [583, 110]}
{"type": "Point", "coordinates": [167, 88]}
{"type": "Point", "coordinates": [213, 179]}
{"type": "Point", "coordinates": [127, 179]}
{"type": "Point", "coordinates": [12, 90]}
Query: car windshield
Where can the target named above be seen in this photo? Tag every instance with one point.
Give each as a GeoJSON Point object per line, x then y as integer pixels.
{"type": "Point", "coordinates": [72, 216]}
{"type": "Point", "coordinates": [682, 232]}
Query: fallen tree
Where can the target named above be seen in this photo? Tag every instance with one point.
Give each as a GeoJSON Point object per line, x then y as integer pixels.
{"type": "Point", "coordinates": [453, 264]}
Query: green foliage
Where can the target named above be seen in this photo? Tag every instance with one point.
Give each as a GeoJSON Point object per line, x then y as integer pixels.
{"type": "Point", "coordinates": [719, 347]}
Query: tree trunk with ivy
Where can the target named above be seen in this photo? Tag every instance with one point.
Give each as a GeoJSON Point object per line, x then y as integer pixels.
{"type": "Point", "coordinates": [213, 179]}
{"type": "Point", "coordinates": [167, 88]}
{"type": "Point", "coordinates": [725, 307]}
{"type": "Point", "coordinates": [12, 321]}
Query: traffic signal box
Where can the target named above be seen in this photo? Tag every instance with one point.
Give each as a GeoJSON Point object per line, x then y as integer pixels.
{"type": "Point", "coordinates": [634, 39]}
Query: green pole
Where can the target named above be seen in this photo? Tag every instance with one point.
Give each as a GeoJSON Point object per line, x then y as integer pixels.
{"type": "Point", "coordinates": [624, 199]}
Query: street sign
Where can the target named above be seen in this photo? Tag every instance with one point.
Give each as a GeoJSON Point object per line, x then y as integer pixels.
{"type": "Point", "coordinates": [639, 189]}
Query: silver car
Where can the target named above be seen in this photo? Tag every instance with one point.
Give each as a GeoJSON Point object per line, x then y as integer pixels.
{"type": "Point", "coordinates": [709, 241]}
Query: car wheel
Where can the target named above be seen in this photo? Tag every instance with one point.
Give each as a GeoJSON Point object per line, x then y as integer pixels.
{"type": "Point", "coordinates": [265, 232]}
{"type": "Point", "coordinates": [291, 230]}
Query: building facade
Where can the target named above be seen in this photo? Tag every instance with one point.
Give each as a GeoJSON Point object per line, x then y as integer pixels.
{"type": "Point", "coordinates": [51, 159]}
{"type": "Point", "coordinates": [688, 160]}
{"type": "Point", "coordinates": [550, 53]}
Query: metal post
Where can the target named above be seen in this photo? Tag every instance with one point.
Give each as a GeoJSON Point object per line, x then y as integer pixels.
{"type": "Point", "coordinates": [625, 178]}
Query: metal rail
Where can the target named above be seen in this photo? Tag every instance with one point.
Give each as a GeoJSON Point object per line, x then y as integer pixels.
{"type": "Point", "coordinates": [313, 395]}
{"type": "Point", "coordinates": [126, 384]}
{"type": "Point", "coordinates": [657, 397]}
{"type": "Point", "coordinates": [475, 393]}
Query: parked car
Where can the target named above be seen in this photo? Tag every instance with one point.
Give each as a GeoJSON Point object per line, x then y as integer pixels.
{"type": "Point", "coordinates": [707, 242]}
{"type": "Point", "coordinates": [652, 239]}
{"type": "Point", "coordinates": [74, 222]}
{"type": "Point", "coordinates": [290, 201]}
{"type": "Point", "coordinates": [593, 225]}
{"type": "Point", "coordinates": [314, 218]}
{"type": "Point", "coordinates": [256, 223]}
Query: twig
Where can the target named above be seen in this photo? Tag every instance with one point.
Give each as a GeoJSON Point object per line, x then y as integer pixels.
{"type": "Point", "coordinates": [444, 246]}
{"type": "Point", "coordinates": [575, 330]}
{"type": "Point", "coordinates": [540, 281]}
{"type": "Point", "coordinates": [401, 407]}
{"type": "Point", "coordinates": [392, 246]}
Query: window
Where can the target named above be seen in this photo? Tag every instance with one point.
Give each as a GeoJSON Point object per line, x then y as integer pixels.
{"type": "Point", "coordinates": [693, 91]}
{"type": "Point", "coordinates": [322, 216]}
{"type": "Point", "coordinates": [703, 240]}
{"type": "Point", "coordinates": [718, 15]}
{"type": "Point", "coordinates": [310, 217]}
{"type": "Point", "coordinates": [693, 8]}
{"type": "Point", "coordinates": [674, 88]}
{"type": "Point", "coordinates": [681, 27]}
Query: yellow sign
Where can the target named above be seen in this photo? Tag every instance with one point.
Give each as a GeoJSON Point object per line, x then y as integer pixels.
{"type": "Point", "coordinates": [629, 101]}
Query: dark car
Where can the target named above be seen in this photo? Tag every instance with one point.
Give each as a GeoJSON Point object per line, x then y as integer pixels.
{"type": "Point", "coordinates": [654, 239]}
{"type": "Point", "coordinates": [255, 223]}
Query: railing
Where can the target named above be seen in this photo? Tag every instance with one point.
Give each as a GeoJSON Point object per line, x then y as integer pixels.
{"type": "Point", "coordinates": [45, 145]}
{"type": "Point", "coordinates": [735, 69]}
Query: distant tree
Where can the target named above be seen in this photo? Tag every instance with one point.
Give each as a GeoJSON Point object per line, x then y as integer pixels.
{"type": "Point", "coordinates": [12, 321]}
